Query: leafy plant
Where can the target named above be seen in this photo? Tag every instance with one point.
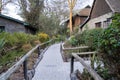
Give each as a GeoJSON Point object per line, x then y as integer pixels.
{"type": "Point", "coordinates": [92, 38]}
{"type": "Point", "coordinates": [22, 38]}
{"type": "Point", "coordinates": [73, 41]}
{"type": "Point", "coordinates": [43, 37]}
{"type": "Point", "coordinates": [110, 46]}
{"type": "Point", "coordinates": [2, 43]}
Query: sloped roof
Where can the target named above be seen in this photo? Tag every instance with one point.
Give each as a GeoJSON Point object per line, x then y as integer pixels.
{"type": "Point", "coordinates": [17, 21]}
{"type": "Point", "coordinates": [84, 12]}
{"type": "Point", "coordinates": [13, 19]}
{"type": "Point", "coordinates": [114, 5]}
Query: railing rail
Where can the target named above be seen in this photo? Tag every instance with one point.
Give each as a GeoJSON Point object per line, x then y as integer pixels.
{"type": "Point", "coordinates": [74, 48]}
{"type": "Point", "coordinates": [23, 61]}
{"type": "Point", "coordinates": [87, 67]}
{"type": "Point", "coordinates": [77, 57]}
{"type": "Point", "coordinates": [63, 49]}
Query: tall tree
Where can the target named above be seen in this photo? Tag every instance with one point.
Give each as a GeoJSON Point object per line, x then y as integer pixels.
{"type": "Point", "coordinates": [71, 4]}
{"type": "Point", "coordinates": [60, 8]}
{"type": "Point", "coordinates": [54, 12]}
{"type": "Point", "coordinates": [31, 10]}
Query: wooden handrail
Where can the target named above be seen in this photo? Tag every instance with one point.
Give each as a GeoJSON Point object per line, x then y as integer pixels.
{"type": "Point", "coordinates": [87, 67]}
{"type": "Point", "coordinates": [74, 48]}
{"type": "Point", "coordinates": [11, 70]}
{"type": "Point", "coordinates": [85, 53]}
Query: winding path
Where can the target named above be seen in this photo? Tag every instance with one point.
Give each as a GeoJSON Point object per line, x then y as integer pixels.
{"type": "Point", "coordinates": [52, 66]}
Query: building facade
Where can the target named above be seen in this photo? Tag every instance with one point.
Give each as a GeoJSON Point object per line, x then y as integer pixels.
{"type": "Point", "coordinates": [101, 13]}
{"type": "Point", "coordinates": [11, 25]}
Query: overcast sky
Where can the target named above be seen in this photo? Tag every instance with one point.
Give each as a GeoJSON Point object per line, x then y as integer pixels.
{"type": "Point", "coordinates": [12, 10]}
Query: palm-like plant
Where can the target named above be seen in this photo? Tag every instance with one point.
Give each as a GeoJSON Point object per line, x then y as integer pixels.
{"type": "Point", "coordinates": [2, 42]}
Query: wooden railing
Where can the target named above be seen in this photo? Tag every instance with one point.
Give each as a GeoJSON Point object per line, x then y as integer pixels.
{"type": "Point", "coordinates": [23, 61]}
{"type": "Point", "coordinates": [75, 48]}
{"type": "Point", "coordinates": [87, 67]}
{"type": "Point", "coordinates": [63, 49]}
{"type": "Point", "coordinates": [79, 57]}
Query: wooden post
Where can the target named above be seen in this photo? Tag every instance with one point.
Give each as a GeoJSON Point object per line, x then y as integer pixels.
{"type": "Point", "coordinates": [39, 51]}
{"type": "Point", "coordinates": [25, 69]}
{"type": "Point", "coordinates": [91, 71]}
{"type": "Point", "coordinates": [61, 47]}
{"type": "Point", "coordinates": [72, 65]}
{"type": "Point", "coordinates": [71, 30]}
{"type": "Point", "coordinates": [71, 4]}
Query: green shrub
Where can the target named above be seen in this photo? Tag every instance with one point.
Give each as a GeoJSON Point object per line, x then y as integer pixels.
{"type": "Point", "coordinates": [9, 38]}
{"type": "Point", "coordinates": [80, 38]}
{"type": "Point", "coordinates": [2, 42]}
{"type": "Point", "coordinates": [22, 38]}
{"type": "Point", "coordinates": [33, 38]}
{"type": "Point", "coordinates": [92, 38]}
{"type": "Point", "coordinates": [73, 41]}
{"type": "Point", "coordinates": [43, 37]}
{"type": "Point", "coordinates": [59, 38]}
{"type": "Point", "coordinates": [10, 57]}
{"type": "Point", "coordinates": [110, 46]}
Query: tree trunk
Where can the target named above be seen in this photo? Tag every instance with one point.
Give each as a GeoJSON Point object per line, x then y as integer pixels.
{"type": "Point", "coordinates": [71, 21]}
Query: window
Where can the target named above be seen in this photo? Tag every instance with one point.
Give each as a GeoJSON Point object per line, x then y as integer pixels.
{"type": "Point", "coordinates": [107, 22]}
{"type": "Point", "coordinates": [2, 28]}
{"type": "Point", "coordinates": [98, 25]}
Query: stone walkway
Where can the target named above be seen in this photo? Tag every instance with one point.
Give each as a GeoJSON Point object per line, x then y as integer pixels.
{"type": "Point", "coordinates": [52, 66]}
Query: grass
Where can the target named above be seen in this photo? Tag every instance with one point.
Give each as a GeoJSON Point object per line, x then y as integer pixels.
{"type": "Point", "coordinates": [11, 57]}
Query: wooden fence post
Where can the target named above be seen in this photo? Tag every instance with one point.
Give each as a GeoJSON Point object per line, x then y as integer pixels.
{"type": "Point", "coordinates": [25, 69]}
{"type": "Point", "coordinates": [72, 65]}
{"type": "Point", "coordinates": [39, 51]}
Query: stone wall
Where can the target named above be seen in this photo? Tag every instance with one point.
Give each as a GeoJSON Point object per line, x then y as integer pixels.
{"type": "Point", "coordinates": [91, 23]}
{"type": "Point", "coordinates": [11, 26]}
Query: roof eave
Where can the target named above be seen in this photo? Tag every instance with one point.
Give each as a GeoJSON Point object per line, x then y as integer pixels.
{"type": "Point", "coordinates": [89, 17]}
{"type": "Point", "coordinates": [110, 6]}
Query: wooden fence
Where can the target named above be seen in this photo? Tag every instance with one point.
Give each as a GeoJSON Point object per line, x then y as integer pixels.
{"type": "Point", "coordinates": [80, 59]}
{"type": "Point", "coordinates": [23, 61]}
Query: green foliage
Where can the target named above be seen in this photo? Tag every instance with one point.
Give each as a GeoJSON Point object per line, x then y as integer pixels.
{"type": "Point", "coordinates": [10, 40]}
{"type": "Point", "coordinates": [22, 43]}
{"type": "Point", "coordinates": [103, 72]}
{"type": "Point", "coordinates": [80, 39]}
{"type": "Point", "coordinates": [22, 37]}
{"type": "Point", "coordinates": [92, 38]}
{"type": "Point", "coordinates": [110, 46]}
{"type": "Point", "coordinates": [17, 39]}
{"type": "Point", "coordinates": [2, 42]}
{"type": "Point", "coordinates": [60, 38]}
{"type": "Point", "coordinates": [10, 57]}
{"type": "Point", "coordinates": [116, 20]}
{"type": "Point", "coordinates": [49, 24]}
{"type": "Point", "coordinates": [43, 37]}
{"type": "Point", "coordinates": [73, 41]}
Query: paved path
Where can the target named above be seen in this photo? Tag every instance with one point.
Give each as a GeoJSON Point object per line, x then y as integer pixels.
{"type": "Point", "coordinates": [52, 66]}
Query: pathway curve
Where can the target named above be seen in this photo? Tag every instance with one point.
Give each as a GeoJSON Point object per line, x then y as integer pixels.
{"type": "Point", "coordinates": [52, 66]}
